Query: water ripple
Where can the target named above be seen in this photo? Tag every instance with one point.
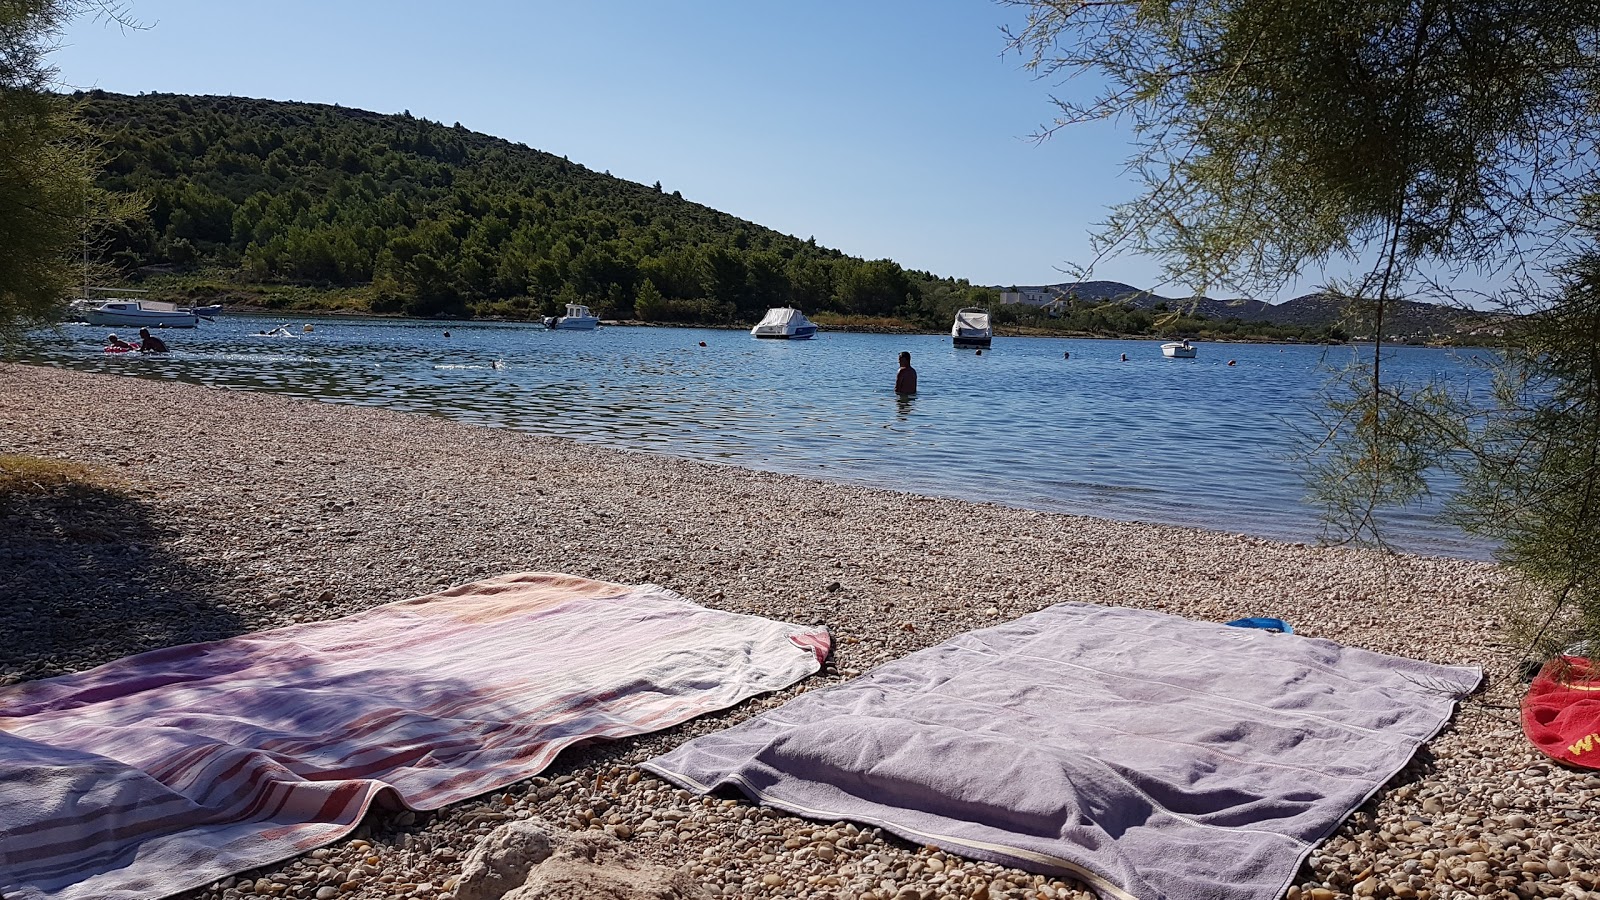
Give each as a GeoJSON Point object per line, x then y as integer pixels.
{"type": "Point", "coordinates": [1190, 442]}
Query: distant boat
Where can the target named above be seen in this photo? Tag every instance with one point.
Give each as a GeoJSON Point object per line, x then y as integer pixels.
{"type": "Point", "coordinates": [1179, 350]}
{"type": "Point", "coordinates": [139, 313]}
{"type": "Point", "coordinates": [208, 312]}
{"type": "Point", "coordinates": [784, 324]}
{"type": "Point", "coordinates": [578, 318]}
{"type": "Point", "coordinates": [972, 329]}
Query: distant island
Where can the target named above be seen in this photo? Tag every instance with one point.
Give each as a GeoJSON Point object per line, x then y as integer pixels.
{"type": "Point", "coordinates": [277, 205]}
{"type": "Point", "coordinates": [1405, 321]}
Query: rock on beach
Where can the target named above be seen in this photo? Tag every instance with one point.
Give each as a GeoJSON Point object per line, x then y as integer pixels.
{"type": "Point", "coordinates": [213, 513]}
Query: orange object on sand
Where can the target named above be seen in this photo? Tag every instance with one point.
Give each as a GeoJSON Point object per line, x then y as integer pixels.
{"type": "Point", "coordinates": [1561, 711]}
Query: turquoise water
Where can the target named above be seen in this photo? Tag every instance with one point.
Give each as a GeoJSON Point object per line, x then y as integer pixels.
{"type": "Point", "coordinates": [1189, 442]}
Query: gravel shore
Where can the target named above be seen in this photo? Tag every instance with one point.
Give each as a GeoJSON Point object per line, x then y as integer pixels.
{"type": "Point", "coordinates": [226, 512]}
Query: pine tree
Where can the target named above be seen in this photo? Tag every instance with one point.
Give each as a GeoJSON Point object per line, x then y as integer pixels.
{"type": "Point", "coordinates": [1440, 136]}
{"type": "Point", "coordinates": [48, 202]}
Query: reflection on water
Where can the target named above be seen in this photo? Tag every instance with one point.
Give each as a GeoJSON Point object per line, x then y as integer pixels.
{"type": "Point", "coordinates": [1193, 442]}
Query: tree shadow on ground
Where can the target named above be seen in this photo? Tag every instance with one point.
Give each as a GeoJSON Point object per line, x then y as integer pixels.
{"type": "Point", "coordinates": [92, 574]}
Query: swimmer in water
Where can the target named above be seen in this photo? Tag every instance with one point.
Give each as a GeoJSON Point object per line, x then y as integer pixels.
{"type": "Point", "coordinates": [149, 343]}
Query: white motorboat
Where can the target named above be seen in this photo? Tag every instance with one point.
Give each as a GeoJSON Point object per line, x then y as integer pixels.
{"type": "Point", "coordinates": [208, 312]}
{"type": "Point", "coordinates": [139, 313]}
{"type": "Point", "coordinates": [578, 318]}
{"type": "Point", "coordinates": [1179, 350]}
{"type": "Point", "coordinates": [972, 328]}
{"type": "Point", "coordinates": [785, 324]}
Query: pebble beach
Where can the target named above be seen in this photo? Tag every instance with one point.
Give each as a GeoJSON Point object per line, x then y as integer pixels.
{"type": "Point", "coordinates": [210, 513]}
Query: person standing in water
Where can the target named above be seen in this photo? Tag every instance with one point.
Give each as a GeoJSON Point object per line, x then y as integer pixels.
{"type": "Point", "coordinates": [905, 381]}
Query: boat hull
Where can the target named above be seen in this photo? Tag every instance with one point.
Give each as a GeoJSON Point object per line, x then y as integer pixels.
{"type": "Point", "coordinates": [566, 324]}
{"type": "Point", "coordinates": [973, 329]}
{"type": "Point", "coordinates": [134, 318]}
{"type": "Point", "coordinates": [805, 333]}
{"type": "Point", "coordinates": [1178, 352]}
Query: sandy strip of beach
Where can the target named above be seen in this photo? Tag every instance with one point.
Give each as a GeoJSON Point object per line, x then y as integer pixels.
{"type": "Point", "coordinates": [235, 511]}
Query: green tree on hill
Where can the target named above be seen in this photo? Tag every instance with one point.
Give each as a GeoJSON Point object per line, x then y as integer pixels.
{"type": "Point", "coordinates": [420, 218]}
{"type": "Point", "coordinates": [1446, 136]}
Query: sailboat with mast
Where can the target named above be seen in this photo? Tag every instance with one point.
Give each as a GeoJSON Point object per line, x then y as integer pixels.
{"type": "Point", "coordinates": [132, 312]}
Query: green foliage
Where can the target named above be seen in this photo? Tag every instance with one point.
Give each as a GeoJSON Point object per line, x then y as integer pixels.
{"type": "Point", "coordinates": [1431, 138]}
{"type": "Point", "coordinates": [1273, 136]}
{"type": "Point", "coordinates": [1534, 478]}
{"type": "Point", "coordinates": [48, 202]}
{"type": "Point", "coordinates": [444, 221]}
{"type": "Point", "coordinates": [1372, 452]}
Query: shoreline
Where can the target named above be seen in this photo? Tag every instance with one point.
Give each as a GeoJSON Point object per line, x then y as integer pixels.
{"type": "Point", "coordinates": [231, 512]}
{"type": "Point", "coordinates": [1003, 331]}
{"type": "Point", "coordinates": [1000, 332]}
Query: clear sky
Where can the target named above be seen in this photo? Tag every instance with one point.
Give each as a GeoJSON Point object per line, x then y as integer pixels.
{"type": "Point", "coordinates": [884, 128]}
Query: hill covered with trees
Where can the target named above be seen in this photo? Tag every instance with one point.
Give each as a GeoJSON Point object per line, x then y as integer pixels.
{"type": "Point", "coordinates": [283, 204]}
{"type": "Point", "coordinates": [399, 214]}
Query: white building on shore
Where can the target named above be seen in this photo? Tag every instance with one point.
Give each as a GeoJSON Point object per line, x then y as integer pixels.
{"type": "Point", "coordinates": [1030, 296]}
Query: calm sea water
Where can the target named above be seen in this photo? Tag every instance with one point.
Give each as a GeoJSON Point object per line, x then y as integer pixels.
{"type": "Point", "coordinates": [1190, 442]}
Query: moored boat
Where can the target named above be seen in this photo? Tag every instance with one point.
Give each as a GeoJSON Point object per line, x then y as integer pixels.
{"type": "Point", "coordinates": [1179, 350]}
{"type": "Point", "coordinates": [972, 328]}
{"type": "Point", "coordinates": [784, 323]}
{"type": "Point", "coordinates": [139, 313]}
{"type": "Point", "coordinates": [578, 318]}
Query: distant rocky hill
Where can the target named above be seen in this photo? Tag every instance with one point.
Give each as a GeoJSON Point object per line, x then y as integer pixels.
{"type": "Point", "coordinates": [1404, 320]}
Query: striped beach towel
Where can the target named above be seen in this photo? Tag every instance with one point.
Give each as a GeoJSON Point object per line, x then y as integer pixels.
{"type": "Point", "coordinates": [170, 769]}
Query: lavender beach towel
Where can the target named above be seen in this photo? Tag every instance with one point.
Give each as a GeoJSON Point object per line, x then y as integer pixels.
{"type": "Point", "coordinates": [1153, 757]}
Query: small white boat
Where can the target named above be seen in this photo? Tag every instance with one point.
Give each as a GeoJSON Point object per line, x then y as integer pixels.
{"type": "Point", "coordinates": [1178, 350]}
{"type": "Point", "coordinates": [578, 318]}
{"type": "Point", "coordinates": [140, 313]}
{"type": "Point", "coordinates": [208, 312]}
{"type": "Point", "coordinates": [785, 324]}
{"type": "Point", "coordinates": [972, 328]}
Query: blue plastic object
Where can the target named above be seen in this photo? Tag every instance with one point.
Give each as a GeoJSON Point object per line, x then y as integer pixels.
{"type": "Point", "coordinates": [1264, 624]}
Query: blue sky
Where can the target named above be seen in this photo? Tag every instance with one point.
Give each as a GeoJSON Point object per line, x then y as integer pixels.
{"type": "Point", "coordinates": [888, 128]}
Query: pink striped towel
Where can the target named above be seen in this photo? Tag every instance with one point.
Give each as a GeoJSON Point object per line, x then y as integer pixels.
{"type": "Point", "coordinates": [167, 770]}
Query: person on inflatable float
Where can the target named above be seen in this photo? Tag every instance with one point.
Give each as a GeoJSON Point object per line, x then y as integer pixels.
{"type": "Point", "coordinates": [115, 343]}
